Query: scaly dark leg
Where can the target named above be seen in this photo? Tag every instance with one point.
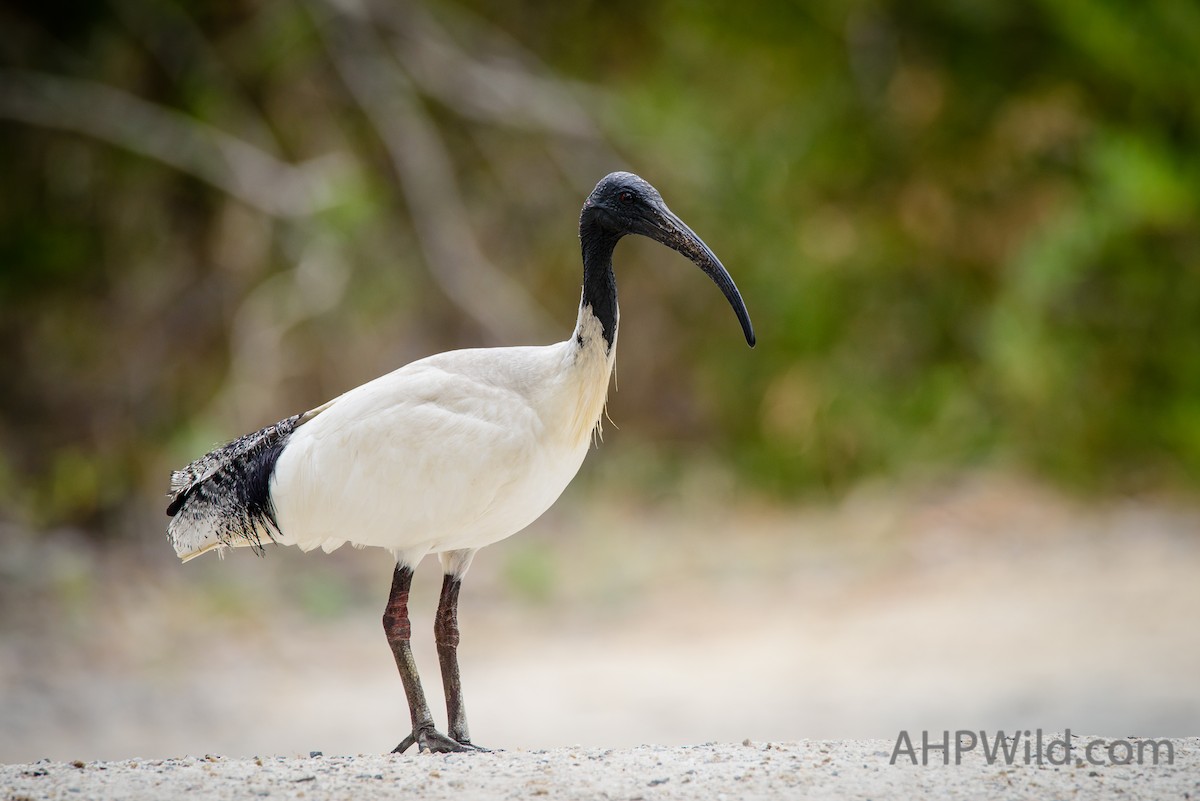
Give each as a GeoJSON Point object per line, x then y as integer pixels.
{"type": "Point", "coordinates": [445, 633]}
{"type": "Point", "coordinates": [399, 631]}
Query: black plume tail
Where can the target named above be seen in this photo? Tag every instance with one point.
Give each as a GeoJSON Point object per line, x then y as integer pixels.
{"type": "Point", "coordinates": [224, 497]}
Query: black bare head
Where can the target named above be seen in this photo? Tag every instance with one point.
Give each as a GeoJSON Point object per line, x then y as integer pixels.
{"type": "Point", "coordinates": [622, 203]}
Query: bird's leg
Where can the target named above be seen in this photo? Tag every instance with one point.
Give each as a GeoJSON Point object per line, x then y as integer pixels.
{"type": "Point", "coordinates": [445, 633]}
{"type": "Point", "coordinates": [399, 631]}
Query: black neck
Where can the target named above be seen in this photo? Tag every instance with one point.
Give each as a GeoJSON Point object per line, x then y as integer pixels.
{"type": "Point", "coordinates": [599, 283]}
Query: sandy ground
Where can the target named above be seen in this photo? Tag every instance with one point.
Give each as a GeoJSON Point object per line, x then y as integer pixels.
{"type": "Point", "coordinates": [982, 605]}
{"type": "Point", "coordinates": [857, 769]}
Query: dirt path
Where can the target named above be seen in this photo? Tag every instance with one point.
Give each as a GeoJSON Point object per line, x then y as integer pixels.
{"type": "Point", "coordinates": [854, 769]}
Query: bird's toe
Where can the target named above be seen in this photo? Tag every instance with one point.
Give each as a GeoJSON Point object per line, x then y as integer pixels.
{"type": "Point", "coordinates": [469, 746]}
{"type": "Point", "coordinates": [435, 742]}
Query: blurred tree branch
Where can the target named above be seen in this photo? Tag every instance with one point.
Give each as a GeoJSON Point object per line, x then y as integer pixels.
{"type": "Point", "coordinates": [112, 115]}
{"type": "Point", "coordinates": [182, 49]}
{"type": "Point", "coordinates": [493, 79]}
{"type": "Point", "coordinates": [424, 168]}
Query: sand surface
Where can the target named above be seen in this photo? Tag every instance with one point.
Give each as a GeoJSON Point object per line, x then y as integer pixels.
{"type": "Point", "coordinates": [810, 769]}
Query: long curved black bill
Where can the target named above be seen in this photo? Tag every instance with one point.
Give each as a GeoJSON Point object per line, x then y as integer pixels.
{"type": "Point", "coordinates": [674, 233]}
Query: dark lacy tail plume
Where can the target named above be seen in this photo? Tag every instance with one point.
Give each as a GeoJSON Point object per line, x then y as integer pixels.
{"type": "Point", "coordinates": [224, 497]}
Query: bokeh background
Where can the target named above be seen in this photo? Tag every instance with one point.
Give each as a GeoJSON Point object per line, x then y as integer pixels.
{"type": "Point", "coordinates": [953, 486]}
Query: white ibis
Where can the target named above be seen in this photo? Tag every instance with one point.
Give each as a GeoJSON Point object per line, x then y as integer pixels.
{"type": "Point", "coordinates": [445, 455]}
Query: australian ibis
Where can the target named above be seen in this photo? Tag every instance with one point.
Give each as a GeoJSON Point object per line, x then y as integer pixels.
{"type": "Point", "coordinates": [444, 455]}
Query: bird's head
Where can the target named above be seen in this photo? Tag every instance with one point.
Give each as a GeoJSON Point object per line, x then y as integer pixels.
{"type": "Point", "coordinates": [622, 203]}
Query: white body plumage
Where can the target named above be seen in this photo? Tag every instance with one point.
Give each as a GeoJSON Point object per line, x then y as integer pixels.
{"type": "Point", "coordinates": [453, 452]}
{"type": "Point", "coordinates": [444, 455]}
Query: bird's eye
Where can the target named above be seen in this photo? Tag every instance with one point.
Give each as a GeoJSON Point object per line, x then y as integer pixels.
{"type": "Point", "coordinates": [625, 197]}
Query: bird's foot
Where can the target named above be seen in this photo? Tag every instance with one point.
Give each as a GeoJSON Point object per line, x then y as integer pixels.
{"type": "Point", "coordinates": [432, 740]}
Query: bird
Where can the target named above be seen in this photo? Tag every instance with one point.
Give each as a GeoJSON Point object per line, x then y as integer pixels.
{"type": "Point", "coordinates": [442, 456]}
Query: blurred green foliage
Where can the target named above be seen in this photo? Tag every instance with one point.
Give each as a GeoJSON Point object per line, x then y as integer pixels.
{"type": "Point", "coordinates": [966, 231]}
